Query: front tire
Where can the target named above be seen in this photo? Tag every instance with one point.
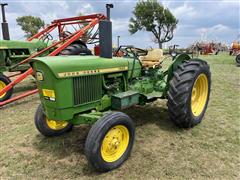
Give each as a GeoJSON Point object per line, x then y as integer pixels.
{"type": "Point", "coordinates": [50, 127]}
{"type": "Point", "coordinates": [4, 81]}
{"type": "Point", "coordinates": [188, 94]}
{"type": "Point", "coordinates": [238, 59]}
{"type": "Point", "coordinates": [110, 141]}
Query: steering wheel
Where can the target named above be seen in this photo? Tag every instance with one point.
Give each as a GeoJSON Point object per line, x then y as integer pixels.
{"type": "Point", "coordinates": [66, 34]}
{"type": "Point", "coordinates": [47, 37]}
{"type": "Point", "coordinates": [129, 51]}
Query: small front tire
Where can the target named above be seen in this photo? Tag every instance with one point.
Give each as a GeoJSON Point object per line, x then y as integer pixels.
{"type": "Point", "coordinates": [110, 141]}
{"type": "Point", "coordinates": [4, 81]}
{"type": "Point", "coordinates": [50, 127]}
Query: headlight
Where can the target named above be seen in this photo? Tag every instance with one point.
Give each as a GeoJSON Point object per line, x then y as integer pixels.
{"type": "Point", "coordinates": [39, 76]}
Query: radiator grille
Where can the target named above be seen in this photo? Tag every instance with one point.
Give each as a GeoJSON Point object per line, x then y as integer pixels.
{"type": "Point", "coordinates": [87, 89]}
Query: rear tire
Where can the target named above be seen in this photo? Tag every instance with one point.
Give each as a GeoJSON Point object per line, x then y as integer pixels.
{"type": "Point", "coordinates": [188, 94]}
{"type": "Point", "coordinates": [238, 59]}
{"type": "Point", "coordinates": [50, 127]}
{"type": "Point", "coordinates": [4, 81]}
{"type": "Point", "coordinates": [110, 141]}
{"type": "Point", "coordinates": [76, 49]}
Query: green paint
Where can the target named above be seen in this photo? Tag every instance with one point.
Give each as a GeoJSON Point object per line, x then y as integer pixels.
{"type": "Point", "coordinates": [124, 100]}
{"type": "Point", "coordinates": [13, 52]}
{"type": "Point", "coordinates": [95, 84]}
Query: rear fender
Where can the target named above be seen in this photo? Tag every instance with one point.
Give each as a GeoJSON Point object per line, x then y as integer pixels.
{"type": "Point", "coordinates": [178, 60]}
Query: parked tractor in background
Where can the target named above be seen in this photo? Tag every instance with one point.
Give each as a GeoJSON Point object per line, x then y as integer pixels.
{"type": "Point", "coordinates": [206, 48]}
{"type": "Point", "coordinates": [78, 90]}
{"type": "Point", "coordinates": [235, 51]}
{"type": "Point", "coordinates": [15, 55]}
{"type": "Point", "coordinates": [12, 53]}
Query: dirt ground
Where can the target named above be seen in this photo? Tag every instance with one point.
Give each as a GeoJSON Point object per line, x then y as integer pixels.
{"type": "Point", "coordinates": [161, 150]}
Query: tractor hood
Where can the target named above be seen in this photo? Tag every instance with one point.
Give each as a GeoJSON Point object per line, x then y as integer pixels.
{"type": "Point", "coordinates": [72, 66]}
{"type": "Point", "coordinates": [34, 44]}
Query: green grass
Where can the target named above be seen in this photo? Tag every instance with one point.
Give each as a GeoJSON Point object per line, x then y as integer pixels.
{"type": "Point", "coordinates": [161, 150]}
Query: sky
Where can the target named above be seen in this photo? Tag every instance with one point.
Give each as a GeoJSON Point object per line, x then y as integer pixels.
{"type": "Point", "coordinates": [208, 20]}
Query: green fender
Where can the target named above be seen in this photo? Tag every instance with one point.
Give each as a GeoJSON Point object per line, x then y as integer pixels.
{"type": "Point", "coordinates": [178, 60]}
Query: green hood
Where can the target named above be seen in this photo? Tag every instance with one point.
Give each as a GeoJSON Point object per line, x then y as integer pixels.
{"type": "Point", "coordinates": [70, 66]}
{"type": "Point", "coordinates": [10, 44]}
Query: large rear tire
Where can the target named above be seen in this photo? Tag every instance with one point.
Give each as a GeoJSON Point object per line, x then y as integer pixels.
{"type": "Point", "coordinates": [76, 49]}
{"type": "Point", "coordinates": [188, 94]}
{"type": "Point", "coordinates": [110, 141]}
{"type": "Point", "coordinates": [49, 127]}
{"type": "Point", "coordinates": [4, 81]}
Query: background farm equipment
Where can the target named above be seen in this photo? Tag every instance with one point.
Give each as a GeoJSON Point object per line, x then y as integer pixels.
{"type": "Point", "coordinates": [206, 48]}
{"type": "Point", "coordinates": [235, 51]}
{"type": "Point", "coordinates": [88, 89]}
{"type": "Point", "coordinates": [69, 41]}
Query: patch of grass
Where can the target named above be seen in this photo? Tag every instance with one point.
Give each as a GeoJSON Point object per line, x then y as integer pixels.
{"type": "Point", "coordinates": [161, 150]}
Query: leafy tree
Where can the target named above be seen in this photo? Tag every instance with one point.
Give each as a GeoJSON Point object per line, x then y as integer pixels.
{"type": "Point", "coordinates": [30, 24]}
{"type": "Point", "coordinates": [151, 16]}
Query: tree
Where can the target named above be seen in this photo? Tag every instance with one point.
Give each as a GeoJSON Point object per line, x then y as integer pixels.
{"type": "Point", "coordinates": [30, 24]}
{"type": "Point", "coordinates": [151, 16]}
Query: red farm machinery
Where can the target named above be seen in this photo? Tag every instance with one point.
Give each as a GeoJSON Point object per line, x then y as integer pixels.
{"type": "Point", "coordinates": [206, 48]}
{"type": "Point", "coordinates": [235, 51]}
{"type": "Point", "coordinates": [72, 36]}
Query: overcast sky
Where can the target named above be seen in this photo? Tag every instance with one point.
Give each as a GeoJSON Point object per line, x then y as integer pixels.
{"type": "Point", "coordinates": [201, 19]}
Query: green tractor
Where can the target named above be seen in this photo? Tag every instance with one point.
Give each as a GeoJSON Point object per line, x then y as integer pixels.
{"type": "Point", "coordinates": [13, 52]}
{"type": "Point", "coordinates": [78, 90]}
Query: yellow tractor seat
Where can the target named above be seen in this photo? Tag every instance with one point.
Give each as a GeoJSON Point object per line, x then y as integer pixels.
{"type": "Point", "coordinates": [153, 57]}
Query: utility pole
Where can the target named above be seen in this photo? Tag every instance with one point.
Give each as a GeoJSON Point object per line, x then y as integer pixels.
{"type": "Point", "coordinates": [5, 30]}
{"type": "Point", "coordinates": [118, 39]}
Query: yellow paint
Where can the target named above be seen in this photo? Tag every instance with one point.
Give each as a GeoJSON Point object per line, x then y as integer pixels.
{"type": "Point", "coordinates": [199, 94]}
{"type": "Point", "coordinates": [115, 143]}
{"type": "Point", "coordinates": [2, 86]}
{"type": "Point", "coordinates": [48, 93]}
{"type": "Point", "coordinates": [87, 72]}
{"type": "Point", "coordinates": [56, 125]}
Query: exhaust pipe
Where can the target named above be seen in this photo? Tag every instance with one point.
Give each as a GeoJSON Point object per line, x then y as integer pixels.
{"type": "Point", "coordinates": [108, 7]}
{"type": "Point", "coordinates": [105, 35]}
{"type": "Point", "coordinates": [5, 30]}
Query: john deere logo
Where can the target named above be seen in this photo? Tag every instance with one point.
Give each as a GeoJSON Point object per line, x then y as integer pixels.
{"type": "Point", "coordinates": [87, 72]}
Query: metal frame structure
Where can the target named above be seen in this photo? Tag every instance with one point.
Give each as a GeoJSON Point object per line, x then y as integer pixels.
{"type": "Point", "coordinates": [89, 21]}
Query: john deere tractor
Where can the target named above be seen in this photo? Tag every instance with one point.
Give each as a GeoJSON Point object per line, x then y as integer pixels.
{"type": "Point", "coordinates": [78, 90]}
{"type": "Point", "coordinates": [12, 53]}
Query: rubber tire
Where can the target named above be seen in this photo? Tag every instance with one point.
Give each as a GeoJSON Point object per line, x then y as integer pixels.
{"type": "Point", "coordinates": [76, 49]}
{"type": "Point", "coordinates": [42, 127]}
{"type": "Point", "coordinates": [9, 93]}
{"type": "Point", "coordinates": [180, 90]}
{"type": "Point", "coordinates": [96, 135]}
{"type": "Point", "coordinates": [238, 59]}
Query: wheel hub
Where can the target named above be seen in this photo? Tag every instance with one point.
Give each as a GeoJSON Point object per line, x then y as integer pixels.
{"type": "Point", "coordinates": [199, 94]}
{"type": "Point", "coordinates": [56, 125]}
{"type": "Point", "coordinates": [115, 143]}
{"type": "Point", "coordinates": [2, 86]}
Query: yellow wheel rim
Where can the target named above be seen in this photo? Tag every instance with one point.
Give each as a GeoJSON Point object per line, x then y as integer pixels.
{"type": "Point", "coordinates": [115, 143]}
{"type": "Point", "coordinates": [2, 86]}
{"type": "Point", "coordinates": [199, 94]}
{"type": "Point", "coordinates": [56, 125]}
